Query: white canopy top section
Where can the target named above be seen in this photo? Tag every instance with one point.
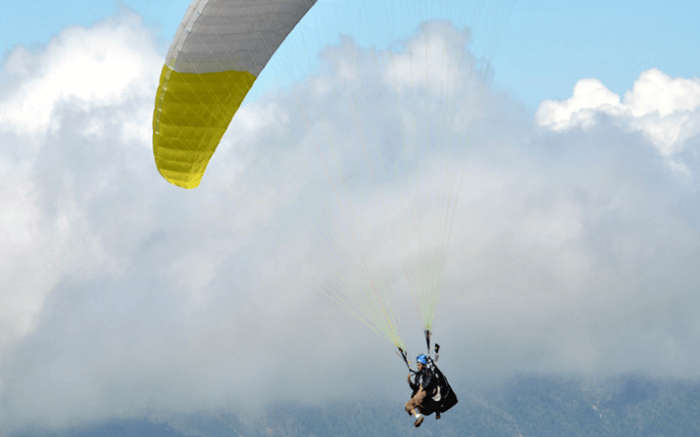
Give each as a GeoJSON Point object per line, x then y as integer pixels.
{"type": "Point", "coordinates": [240, 35]}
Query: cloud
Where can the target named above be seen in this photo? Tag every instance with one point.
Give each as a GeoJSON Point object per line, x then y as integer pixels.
{"type": "Point", "coordinates": [590, 96]}
{"type": "Point", "coordinates": [89, 68]}
{"type": "Point", "coordinates": [570, 250]}
{"type": "Point", "coordinates": [95, 75]}
{"type": "Point", "coordinates": [444, 72]}
{"type": "Point", "coordinates": [663, 108]}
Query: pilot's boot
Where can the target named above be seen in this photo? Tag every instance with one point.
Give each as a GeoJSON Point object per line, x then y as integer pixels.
{"type": "Point", "coordinates": [419, 419]}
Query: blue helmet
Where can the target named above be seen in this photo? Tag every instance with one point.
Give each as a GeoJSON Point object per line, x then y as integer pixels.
{"type": "Point", "coordinates": [423, 359]}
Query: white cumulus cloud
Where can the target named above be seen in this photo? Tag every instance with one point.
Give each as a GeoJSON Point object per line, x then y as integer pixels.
{"type": "Point", "coordinates": [85, 68]}
{"type": "Point", "coordinates": [663, 108]}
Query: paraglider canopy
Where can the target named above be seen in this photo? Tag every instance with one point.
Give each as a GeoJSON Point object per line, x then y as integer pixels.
{"type": "Point", "coordinates": [218, 52]}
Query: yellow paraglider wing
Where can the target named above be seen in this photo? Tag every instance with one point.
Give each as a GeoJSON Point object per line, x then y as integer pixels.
{"type": "Point", "coordinates": [219, 50]}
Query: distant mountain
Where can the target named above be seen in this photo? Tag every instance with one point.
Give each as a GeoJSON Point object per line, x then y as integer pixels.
{"type": "Point", "coordinates": [524, 407]}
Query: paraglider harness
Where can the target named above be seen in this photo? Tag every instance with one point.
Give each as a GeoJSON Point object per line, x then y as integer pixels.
{"type": "Point", "coordinates": [442, 397]}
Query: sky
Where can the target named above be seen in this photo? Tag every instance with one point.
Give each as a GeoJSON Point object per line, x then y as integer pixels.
{"type": "Point", "coordinates": [570, 247]}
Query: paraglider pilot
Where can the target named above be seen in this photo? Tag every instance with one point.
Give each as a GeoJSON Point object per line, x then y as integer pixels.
{"type": "Point", "coordinates": [423, 384]}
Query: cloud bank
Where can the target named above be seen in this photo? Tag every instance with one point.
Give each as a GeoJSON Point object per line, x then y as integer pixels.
{"type": "Point", "coordinates": [572, 250]}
